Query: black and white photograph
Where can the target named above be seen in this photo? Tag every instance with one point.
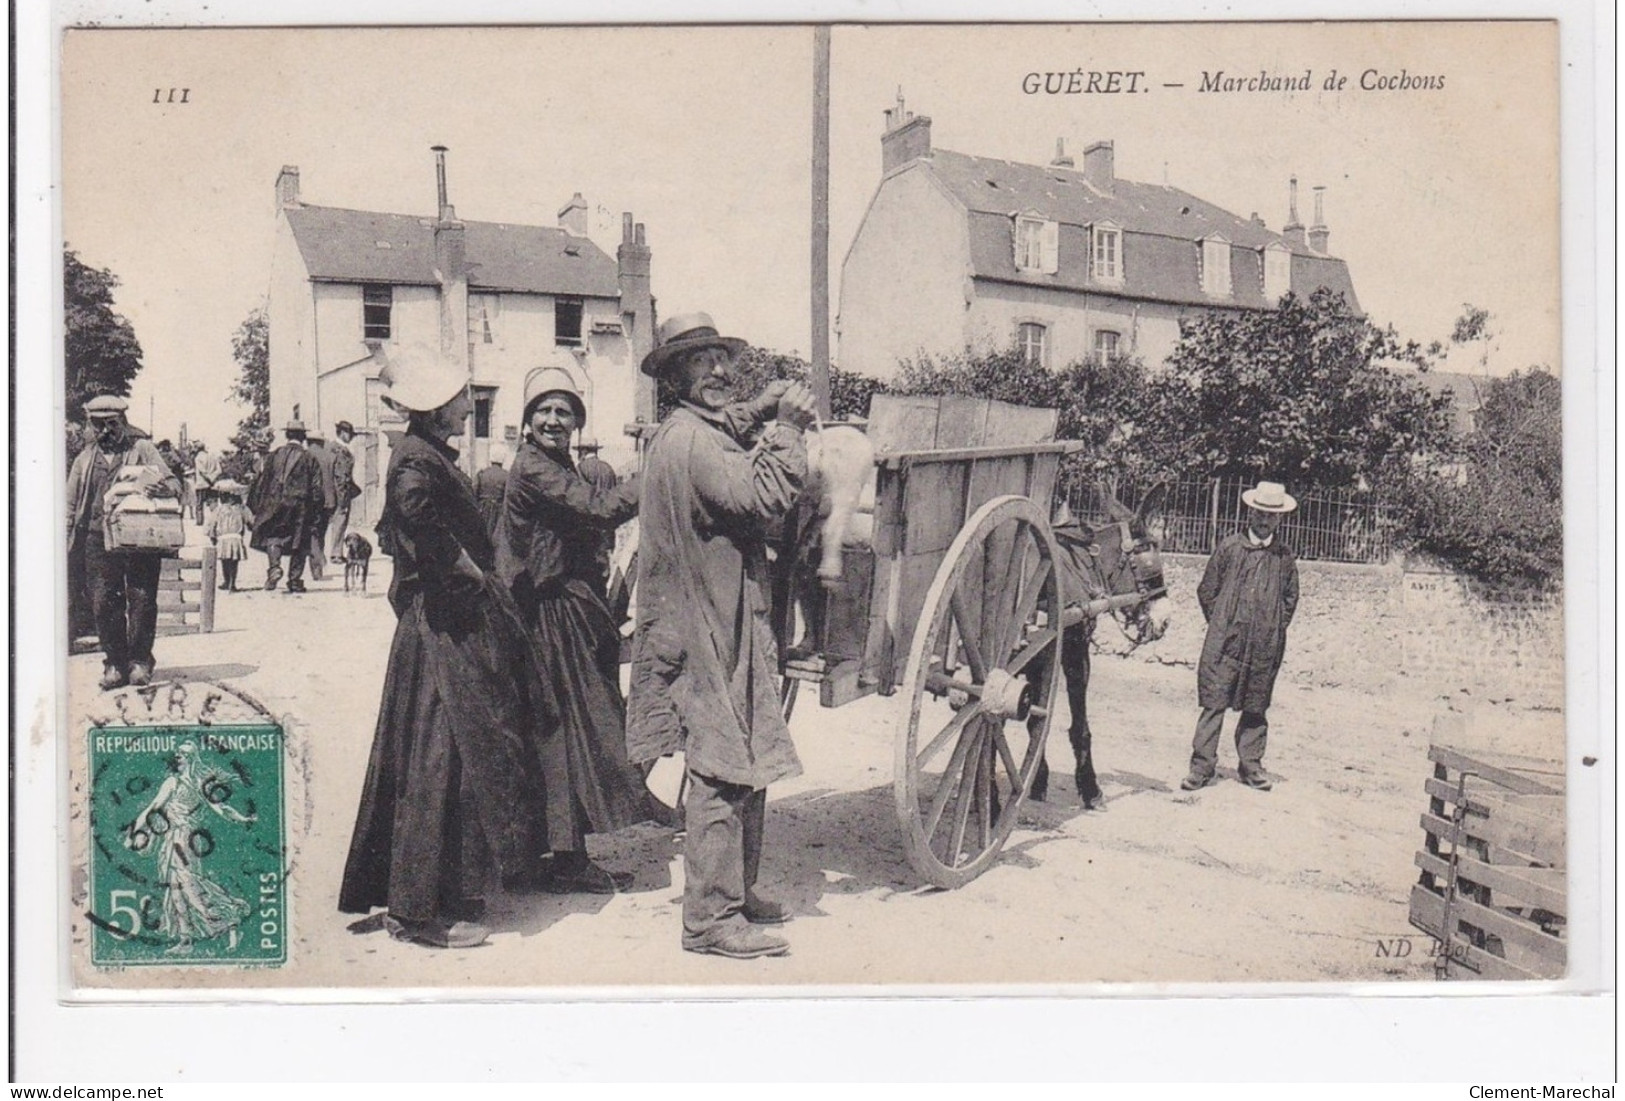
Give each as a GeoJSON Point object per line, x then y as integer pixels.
{"type": "Point", "coordinates": [778, 509]}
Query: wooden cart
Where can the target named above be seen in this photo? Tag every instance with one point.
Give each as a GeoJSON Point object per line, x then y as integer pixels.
{"type": "Point", "coordinates": [956, 605]}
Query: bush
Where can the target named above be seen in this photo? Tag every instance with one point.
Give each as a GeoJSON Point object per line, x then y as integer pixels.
{"type": "Point", "coordinates": [1497, 515]}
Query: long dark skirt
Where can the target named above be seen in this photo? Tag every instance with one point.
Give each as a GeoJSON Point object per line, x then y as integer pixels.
{"type": "Point", "coordinates": [460, 762]}
{"type": "Point", "coordinates": [580, 655]}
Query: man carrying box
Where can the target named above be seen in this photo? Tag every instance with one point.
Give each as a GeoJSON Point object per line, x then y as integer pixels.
{"type": "Point", "coordinates": [123, 582]}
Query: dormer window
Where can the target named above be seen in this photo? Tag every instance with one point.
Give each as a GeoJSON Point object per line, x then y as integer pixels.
{"type": "Point", "coordinates": [1106, 254]}
{"type": "Point", "coordinates": [1277, 272]}
{"type": "Point", "coordinates": [1037, 244]}
{"type": "Point", "coordinates": [1216, 267]}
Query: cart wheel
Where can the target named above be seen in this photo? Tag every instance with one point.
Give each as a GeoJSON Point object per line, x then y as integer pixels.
{"type": "Point", "coordinates": [982, 675]}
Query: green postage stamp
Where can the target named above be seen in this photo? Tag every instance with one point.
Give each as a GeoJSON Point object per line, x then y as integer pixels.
{"type": "Point", "coordinates": [187, 860]}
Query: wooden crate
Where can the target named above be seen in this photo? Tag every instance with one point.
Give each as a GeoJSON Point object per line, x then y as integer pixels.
{"type": "Point", "coordinates": [1501, 818]}
{"type": "Point", "coordinates": [186, 595]}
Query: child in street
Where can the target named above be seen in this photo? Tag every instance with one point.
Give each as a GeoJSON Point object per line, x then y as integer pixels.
{"type": "Point", "coordinates": [225, 528]}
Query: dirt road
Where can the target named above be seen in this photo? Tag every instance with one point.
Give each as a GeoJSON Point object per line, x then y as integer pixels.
{"type": "Point", "coordinates": [1228, 884]}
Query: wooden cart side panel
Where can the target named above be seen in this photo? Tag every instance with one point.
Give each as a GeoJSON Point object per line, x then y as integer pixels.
{"type": "Point", "coordinates": [918, 422]}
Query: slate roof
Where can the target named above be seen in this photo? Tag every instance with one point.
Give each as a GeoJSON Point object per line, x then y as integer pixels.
{"type": "Point", "coordinates": [1160, 225]}
{"type": "Point", "coordinates": [363, 246]}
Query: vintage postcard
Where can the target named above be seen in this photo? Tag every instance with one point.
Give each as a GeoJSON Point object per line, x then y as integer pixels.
{"type": "Point", "coordinates": [882, 508]}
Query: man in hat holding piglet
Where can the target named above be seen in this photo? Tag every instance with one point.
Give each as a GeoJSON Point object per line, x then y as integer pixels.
{"type": "Point", "coordinates": [704, 663]}
{"type": "Point", "coordinates": [122, 583]}
{"type": "Point", "coordinates": [1248, 594]}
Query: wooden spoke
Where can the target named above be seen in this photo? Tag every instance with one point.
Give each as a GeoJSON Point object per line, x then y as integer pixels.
{"type": "Point", "coordinates": [967, 786]}
{"type": "Point", "coordinates": [984, 786]}
{"type": "Point", "coordinates": [1028, 606]}
{"type": "Point", "coordinates": [939, 801]}
{"type": "Point", "coordinates": [1037, 645]}
{"type": "Point", "coordinates": [1007, 757]}
{"type": "Point", "coordinates": [967, 638]}
{"type": "Point", "coordinates": [955, 726]}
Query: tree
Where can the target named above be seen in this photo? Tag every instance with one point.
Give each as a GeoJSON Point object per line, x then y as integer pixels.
{"type": "Point", "coordinates": [1498, 516]}
{"type": "Point", "coordinates": [1303, 394]}
{"type": "Point", "coordinates": [102, 353]}
{"type": "Point", "coordinates": [251, 348]}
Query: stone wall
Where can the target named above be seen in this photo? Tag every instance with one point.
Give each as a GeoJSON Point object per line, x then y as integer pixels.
{"type": "Point", "coordinates": [1391, 627]}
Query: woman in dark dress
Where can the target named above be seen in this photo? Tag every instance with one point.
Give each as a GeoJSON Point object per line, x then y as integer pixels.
{"type": "Point", "coordinates": [553, 523]}
{"type": "Point", "coordinates": [461, 758]}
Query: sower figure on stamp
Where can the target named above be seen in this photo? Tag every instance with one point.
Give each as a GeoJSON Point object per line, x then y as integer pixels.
{"type": "Point", "coordinates": [454, 783]}
{"type": "Point", "coordinates": [704, 664]}
{"type": "Point", "coordinates": [1248, 594]}
{"type": "Point", "coordinates": [286, 499]}
{"type": "Point", "coordinates": [122, 584]}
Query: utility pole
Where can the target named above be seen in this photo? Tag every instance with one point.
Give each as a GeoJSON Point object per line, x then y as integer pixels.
{"type": "Point", "coordinates": [820, 220]}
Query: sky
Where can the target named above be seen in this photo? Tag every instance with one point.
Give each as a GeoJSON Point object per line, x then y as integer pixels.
{"type": "Point", "coordinates": [1435, 198]}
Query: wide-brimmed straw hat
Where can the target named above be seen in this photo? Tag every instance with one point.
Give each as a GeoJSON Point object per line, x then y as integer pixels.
{"type": "Point", "coordinates": [295, 426]}
{"type": "Point", "coordinates": [1269, 497]}
{"type": "Point", "coordinates": [684, 332]}
{"type": "Point", "coordinates": [553, 379]}
{"type": "Point", "coordinates": [420, 379]}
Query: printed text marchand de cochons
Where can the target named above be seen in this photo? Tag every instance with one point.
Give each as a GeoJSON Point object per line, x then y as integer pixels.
{"type": "Point", "coordinates": [1077, 82]}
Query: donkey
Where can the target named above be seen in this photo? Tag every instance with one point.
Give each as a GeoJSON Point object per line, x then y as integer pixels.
{"type": "Point", "coordinates": [1117, 558]}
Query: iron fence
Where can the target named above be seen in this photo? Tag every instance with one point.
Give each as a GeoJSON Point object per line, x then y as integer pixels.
{"type": "Point", "coordinates": [1328, 525]}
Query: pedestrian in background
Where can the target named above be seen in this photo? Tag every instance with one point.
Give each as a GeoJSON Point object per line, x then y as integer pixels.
{"type": "Point", "coordinates": [228, 521]}
{"type": "Point", "coordinates": [285, 499]}
{"type": "Point", "coordinates": [600, 475]}
{"type": "Point", "coordinates": [1248, 594]}
{"type": "Point", "coordinates": [323, 455]}
{"type": "Point", "coordinates": [345, 488]}
{"type": "Point", "coordinates": [489, 486]}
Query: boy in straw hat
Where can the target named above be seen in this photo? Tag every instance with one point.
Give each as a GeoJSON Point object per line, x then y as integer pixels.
{"type": "Point", "coordinates": [704, 666]}
{"type": "Point", "coordinates": [1248, 594]}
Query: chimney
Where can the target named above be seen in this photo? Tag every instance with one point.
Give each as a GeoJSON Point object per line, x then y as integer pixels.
{"type": "Point", "coordinates": [1099, 165]}
{"type": "Point", "coordinates": [573, 216]}
{"type": "Point", "coordinates": [1318, 233]}
{"type": "Point", "coordinates": [1061, 160]}
{"type": "Point", "coordinates": [287, 186]}
{"type": "Point", "coordinates": [443, 208]}
{"type": "Point", "coordinates": [451, 269]}
{"type": "Point", "coordinates": [632, 261]}
{"type": "Point", "coordinates": [907, 137]}
{"type": "Point", "coordinates": [1293, 230]}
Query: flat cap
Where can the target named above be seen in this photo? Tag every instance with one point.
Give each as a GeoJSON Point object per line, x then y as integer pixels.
{"type": "Point", "coordinates": [106, 403]}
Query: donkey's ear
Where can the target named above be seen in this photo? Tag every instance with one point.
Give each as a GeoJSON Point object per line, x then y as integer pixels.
{"type": "Point", "coordinates": [1153, 502]}
{"type": "Point", "coordinates": [1116, 511]}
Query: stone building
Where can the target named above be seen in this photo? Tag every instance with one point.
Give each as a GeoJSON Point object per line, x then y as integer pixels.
{"type": "Point", "coordinates": [1061, 260]}
{"type": "Point", "coordinates": [500, 299]}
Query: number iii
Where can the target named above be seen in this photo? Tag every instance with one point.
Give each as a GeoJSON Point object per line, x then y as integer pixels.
{"type": "Point", "coordinates": [171, 95]}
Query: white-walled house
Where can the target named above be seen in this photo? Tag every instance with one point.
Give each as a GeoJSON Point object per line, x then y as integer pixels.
{"type": "Point", "coordinates": [500, 299]}
{"type": "Point", "coordinates": [957, 251]}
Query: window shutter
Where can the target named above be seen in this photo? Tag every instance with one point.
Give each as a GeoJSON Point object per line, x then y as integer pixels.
{"type": "Point", "coordinates": [1050, 248]}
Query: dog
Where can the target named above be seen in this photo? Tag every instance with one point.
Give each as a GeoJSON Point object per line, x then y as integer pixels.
{"type": "Point", "coordinates": [357, 554]}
